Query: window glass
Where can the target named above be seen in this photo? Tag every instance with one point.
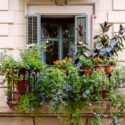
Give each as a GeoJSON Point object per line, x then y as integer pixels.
{"type": "Point", "coordinates": [61, 36]}
{"type": "Point", "coordinates": [51, 51]}
{"type": "Point", "coordinates": [58, 36]}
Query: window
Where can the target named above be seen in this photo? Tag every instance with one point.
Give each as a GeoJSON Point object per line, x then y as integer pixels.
{"type": "Point", "coordinates": [58, 35]}
{"type": "Point", "coordinates": [32, 29]}
{"type": "Point", "coordinates": [61, 36]}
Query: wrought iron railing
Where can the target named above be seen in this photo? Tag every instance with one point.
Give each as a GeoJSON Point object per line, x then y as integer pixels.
{"type": "Point", "coordinates": [20, 82]}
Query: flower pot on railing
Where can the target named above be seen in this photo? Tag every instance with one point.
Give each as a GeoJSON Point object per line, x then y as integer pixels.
{"type": "Point", "coordinates": [99, 68]}
{"type": "Point", "coordinates": [108, 69]}
{"type": "Point", "coordinates": [21, 86]}
{"type": "Point", "coordinates": [88, 71]}
{"type": "Point", "coordinates": [105, 94]}
{"type": "Point", "coordinates": [16, 96]}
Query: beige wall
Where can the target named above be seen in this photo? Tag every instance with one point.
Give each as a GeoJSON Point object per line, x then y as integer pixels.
{"type": "Point", "coordinates": [12, 17]}
{"type": "Point", "coordinates": [112, 11]}
{"type": "Point", "coordinates": [12, 25]}
{"type": "Point", "coordinates": [13, 28]}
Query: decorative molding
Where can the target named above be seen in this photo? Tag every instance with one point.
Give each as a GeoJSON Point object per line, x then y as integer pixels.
{"type": "Point", "coordinates": [61, 2]}
{"type": "Point", "coordinates": [117, 9]}
{"type": "Point", "coordinates": [34, 2]}
{"type": "Point", "coordinates": [6, 17]}
{"type": "Point", "coordinates": [4, 6]}
{"type": "Point", "coordinates": [64, 2]}
{"type": "Point", "coordinates": [85, 4]}
{"type": "Point", "coordinates": [116, 17]}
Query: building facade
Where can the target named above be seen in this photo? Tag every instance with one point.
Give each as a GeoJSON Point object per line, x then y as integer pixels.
{"type": "Point", "coordinates": [24, 21]}
{"type": "Point", "coordinates": [53, 22]}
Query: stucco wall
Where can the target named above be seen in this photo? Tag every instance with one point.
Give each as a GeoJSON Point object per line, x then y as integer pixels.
{"type": "Point", "coordinates": [112, 11]}
{"type": "Point", "coordinates": [12, 25]}
{"type": "Point", "coordinates": [13, 28]}
{"type": "Point", "coordinates": [12, 18]}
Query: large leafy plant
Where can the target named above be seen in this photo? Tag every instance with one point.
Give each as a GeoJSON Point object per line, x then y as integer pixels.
{"type": "Point", "coordinates": [107, 46]}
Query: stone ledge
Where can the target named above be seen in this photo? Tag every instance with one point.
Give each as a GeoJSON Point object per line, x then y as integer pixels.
{"type": "Point", "coordinates": [105, 106]}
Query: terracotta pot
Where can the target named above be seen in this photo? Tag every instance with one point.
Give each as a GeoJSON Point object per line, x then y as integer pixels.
{"type": "Point", "coordinates": [88, 71]}
{"type": "Point", "coordinates": [99, 68]}
{"type": "Point", "coordinates": [105, 94]}
{"type": "Point", "coordinates": [16, 96]}
{"type": "Point", "coordinates": [22, 86]}
{"type": "Point", "coordinates": [108, 69]}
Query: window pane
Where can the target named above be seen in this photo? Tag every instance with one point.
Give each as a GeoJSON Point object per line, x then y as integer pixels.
{"type": "Point", "coordinates": [32, 29]}
{"type": "Point", "coordinates": [58, 34]}
{"type": "Point", "coordinates": [68, 30]}
{"type": "Point", "coordinates": [51, 52]}
{"type": "Point", "coordinates": [68, 48]}
{"type": "Point", "coordinates": [50, 30]}
{"type": "Point", "coordinates": [81, 30]}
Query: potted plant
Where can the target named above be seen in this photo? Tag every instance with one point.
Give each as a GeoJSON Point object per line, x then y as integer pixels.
{"type": "Point", "coordinates": [109, 64]}
{"type": "Point", "coordinates": [17, 71]}
{"type": "Point", "coordinates": [106, 46]}
{"type": "Point", "coordinates": [16, 96]}
{"type": "Point", "coordinates": [101, 84]}
{"type": "Point", "coordinates": [45, 92]}
{"type": "Point", "coordinates": [87, 64]}
{"type": "Point", "coordinates": [70, 94]}
{"type": "Point", "coordinates": [63, 64]}
{"type": "Point", "coordinates": [74, 95]}
{"type": "Point", "coordinates": [98, 63]}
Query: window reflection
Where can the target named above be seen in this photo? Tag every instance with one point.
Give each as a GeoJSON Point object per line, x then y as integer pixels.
{"type": "Point", "coordinates": [68, 30]}
{"type": "Point", "coordinates": [50, 30]}
{"type": "Point", "coordinates": [58, 36]}
{"type": "Point", "coordinates": [68, 48]}
{"type": "Point", "coordinates": [51, 52]}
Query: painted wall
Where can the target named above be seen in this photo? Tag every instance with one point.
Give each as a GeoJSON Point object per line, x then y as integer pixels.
{"type": "Point", "coordinates": [13, 28]}
{"type": "Point", "coordinates": [12, 18]}
{"type": "Point", "coordinates": [12, 25]}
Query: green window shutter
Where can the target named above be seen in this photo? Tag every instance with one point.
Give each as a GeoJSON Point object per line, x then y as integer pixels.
{"type": "Point", "coordinates": [32, 29]}
{"type": "Point", "coordinates": [80, 30]}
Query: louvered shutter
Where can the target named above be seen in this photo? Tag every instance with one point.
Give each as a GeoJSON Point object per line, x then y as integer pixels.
{"type": "Point", "coordinates": [32, 28]}
{"type": "Point", "coordinates": [80, 30]}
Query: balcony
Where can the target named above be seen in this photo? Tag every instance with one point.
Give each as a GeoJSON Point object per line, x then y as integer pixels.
{"type": "Point", "coordinates": [72, 91]}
